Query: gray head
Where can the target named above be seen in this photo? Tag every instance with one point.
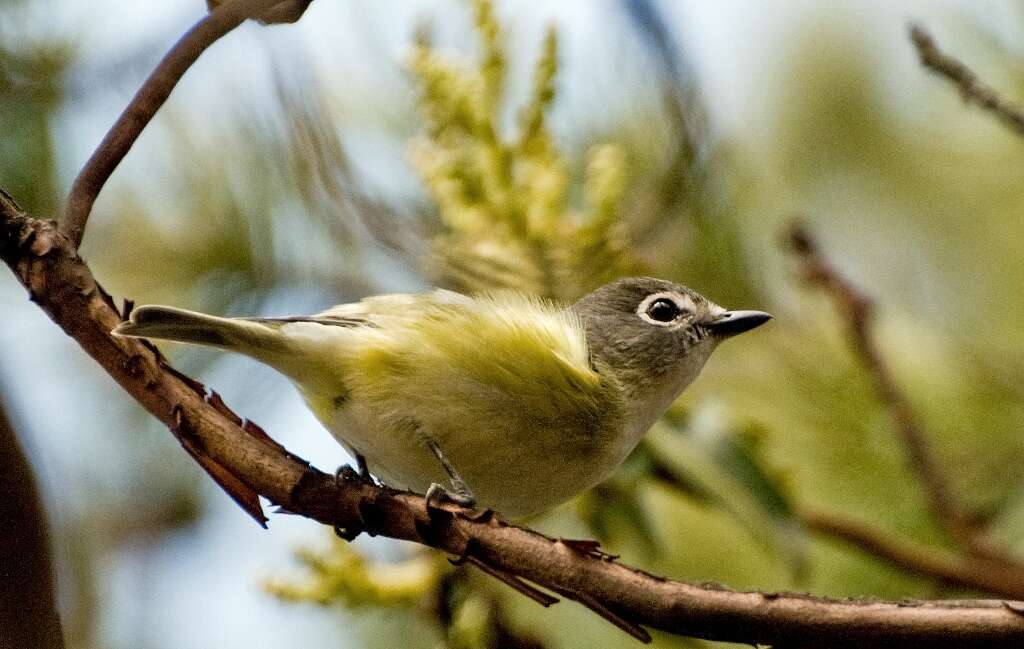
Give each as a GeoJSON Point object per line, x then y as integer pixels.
{"type": "Point", "coordinates": [655, 336]}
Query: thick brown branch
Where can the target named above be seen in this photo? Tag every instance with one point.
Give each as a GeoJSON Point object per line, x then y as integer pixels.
{"type": "Point", "coordinates": [856, 309]}
{"type": "Point", "coordinates": [972, 90]}
{"type": "Point", "coordinates": [146, 102]}
{"type": "Point", "coordinates": [959, 572]}
{"type": "Point", "coordinates": [46, 262]}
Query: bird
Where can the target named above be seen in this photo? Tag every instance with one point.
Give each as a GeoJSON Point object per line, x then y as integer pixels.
{"type": "Point", "coordinates": [500, 400]}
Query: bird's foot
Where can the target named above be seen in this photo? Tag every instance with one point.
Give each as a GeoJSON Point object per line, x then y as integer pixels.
{"type": "Point", "coordinates": [360, 473]}
{"type": "Point", "coordinates": [459, 494]}
{"type": "Point", "coordinates": [346, 473]}
{"type": "Point", "coordinates": [437, 494]}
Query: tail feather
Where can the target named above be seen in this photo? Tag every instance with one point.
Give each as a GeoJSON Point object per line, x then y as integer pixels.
{"type": "Point", "coordinates": [167, 323]}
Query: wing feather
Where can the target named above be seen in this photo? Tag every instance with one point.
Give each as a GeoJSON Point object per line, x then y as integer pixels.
{"type": "Point", "coordinates": [500, 353]}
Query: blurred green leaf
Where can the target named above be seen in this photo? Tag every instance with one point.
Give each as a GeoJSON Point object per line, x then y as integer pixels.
{"type": "Point", "coordinates": [614, 512]}
{"type": "Point", "coordinates": [717, 462]}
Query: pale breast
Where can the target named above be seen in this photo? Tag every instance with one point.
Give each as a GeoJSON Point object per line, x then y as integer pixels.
{"type": "Point", "coordinates": [511, 472]}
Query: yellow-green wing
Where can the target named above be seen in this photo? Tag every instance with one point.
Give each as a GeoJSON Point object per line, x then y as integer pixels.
{"type": "Point", "coordinates": [487, 363]}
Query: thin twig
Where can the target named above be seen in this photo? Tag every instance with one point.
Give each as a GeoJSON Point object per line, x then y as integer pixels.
{"type": "Point", "coordinates": [47, 264]}
{"type": "Point", "coordinates": [942, 566]}
{"type": "Point", "coordinates": [856, 309]}
{"type": "Point", "coordinates": [972, 90]}
{"type": "Point", "coordinates": [147, 101]}
{"type": "Point", "coordinates": [600, 608]}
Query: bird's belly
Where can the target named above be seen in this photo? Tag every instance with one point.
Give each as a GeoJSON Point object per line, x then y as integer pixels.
{"type": "Point", "coordinates": [511, 473]}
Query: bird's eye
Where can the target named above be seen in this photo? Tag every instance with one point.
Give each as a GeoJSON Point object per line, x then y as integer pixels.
{"type": "Point", "coordinates": [663, 310]}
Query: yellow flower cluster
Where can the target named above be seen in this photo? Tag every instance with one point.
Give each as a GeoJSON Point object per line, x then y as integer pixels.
{"type": "Point", "coordinates": [503, 202]}
{"type": "Point", "coordinates": [342, 574]}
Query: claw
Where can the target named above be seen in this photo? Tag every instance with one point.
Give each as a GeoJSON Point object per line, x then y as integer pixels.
{"type": "Point", "coordinates": [360, 473]}
{"type": "Point", "coordinates": [346, 472]}
{"type": "Point", "coordinates": [346, 534]}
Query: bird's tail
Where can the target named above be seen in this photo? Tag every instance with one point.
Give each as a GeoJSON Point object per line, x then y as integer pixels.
{"type": "Point", "coordinates": [259, 340]}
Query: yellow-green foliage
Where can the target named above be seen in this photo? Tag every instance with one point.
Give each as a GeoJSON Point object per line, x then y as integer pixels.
{"type": "Point", "coordinates": [472, 624]}
{"type": "Point", "coordinates": [504, 203]}
{"type": "Point", "coordinates": [342, 574]}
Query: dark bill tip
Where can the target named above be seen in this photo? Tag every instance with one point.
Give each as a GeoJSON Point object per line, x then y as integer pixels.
{"type": "Point", "coordinates": [731, 323]}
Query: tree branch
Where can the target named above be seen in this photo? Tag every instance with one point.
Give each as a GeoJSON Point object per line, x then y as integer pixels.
{"type": "Point", "coordinates": [46, 262]}
{"type": "Point", "coordinates": [972, 90]}
{"type": "Point", "coordinates": [147, 101]}
{"type": "Point", "coordinates": [969, 573]}
{"type": "Point", "coordinates": [857, 309]}
{"type": "Point", "coordinates": [248, 463]}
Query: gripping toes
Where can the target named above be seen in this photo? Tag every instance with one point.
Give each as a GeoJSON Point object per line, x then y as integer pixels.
{"type": "Point", "coordinates": [438, 494]}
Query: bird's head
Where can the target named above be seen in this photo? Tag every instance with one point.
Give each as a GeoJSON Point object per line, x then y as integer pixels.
{"type": "Point", "coordinates": [654, 336]}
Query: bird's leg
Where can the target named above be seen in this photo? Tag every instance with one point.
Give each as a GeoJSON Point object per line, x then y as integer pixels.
{"type": "Point", "coordinates": [460, 493]}
{"type": "Point", "coordinates": [364, 469]}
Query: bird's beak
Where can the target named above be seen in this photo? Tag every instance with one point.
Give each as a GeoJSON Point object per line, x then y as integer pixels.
{"type": "Point", "coordinates": [731, 323]}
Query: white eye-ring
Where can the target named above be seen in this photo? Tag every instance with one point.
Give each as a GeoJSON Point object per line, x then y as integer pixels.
{"type": "Point", "coordinates": [664, 309]}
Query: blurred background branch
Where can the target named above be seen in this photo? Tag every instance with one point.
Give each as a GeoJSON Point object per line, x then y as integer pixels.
{"type": "Point", "coordinates": [28, 602]}
{"type": "Point", "coordinates": [856, 309]}
{"type": "Point", "coordinates": [972, 89]}
{"type": "Point", "coordinates": [985, 561]}
{"type": "Point", "coordinates": [947, 568]}
{"type": "Point", "coordinates": [223, 17]}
